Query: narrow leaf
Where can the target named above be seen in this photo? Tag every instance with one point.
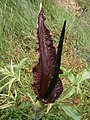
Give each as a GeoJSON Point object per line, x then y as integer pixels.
{"type": "Point", "coordinates": [1, 88]}
{"type": "Point", "coordinates": [85, 75]}
{"type": "Point", "coordinates": [12, 71]}
{"type": "Point", "coordinates": [71, 77]}
{"type": "Point", "coordinates": [68, 92]}
{"type": "Point", "coordinates": [6, 105]}
{"type": "Point", "coordinates": [71, 112]}
{"type": "Point", "coordinates": [22, 62]}
{"type": "Point", "coordinates": [11, 82]}
{"type": "Point", "coordinates": [48, 108]}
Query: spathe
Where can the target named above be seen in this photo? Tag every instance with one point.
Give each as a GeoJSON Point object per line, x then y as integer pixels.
{"type": "Point", "coordinates": [47, 84]}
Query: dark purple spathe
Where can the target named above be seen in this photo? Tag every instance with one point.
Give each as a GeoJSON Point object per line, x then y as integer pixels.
{"type": "Point", "coordinates": [47, 84]}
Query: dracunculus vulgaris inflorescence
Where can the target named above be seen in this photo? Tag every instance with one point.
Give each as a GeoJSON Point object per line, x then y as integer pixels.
{"type": "Point", "coordinates": [47, 84]}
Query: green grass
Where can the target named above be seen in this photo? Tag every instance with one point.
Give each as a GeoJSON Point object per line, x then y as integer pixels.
{"type": "Point", "coordinates": [18, 25]}
{"type": "Point", "coordinates": [18, 21]}
{"type": "Point", "coordinates": [85, 24]}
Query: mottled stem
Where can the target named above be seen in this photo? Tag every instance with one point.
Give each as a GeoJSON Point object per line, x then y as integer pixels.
{"type": "Point", "coordinates": [35, 116]}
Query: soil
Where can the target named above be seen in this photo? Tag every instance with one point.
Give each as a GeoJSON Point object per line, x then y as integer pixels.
{"type": "Point", "coordinates": [70, 4]}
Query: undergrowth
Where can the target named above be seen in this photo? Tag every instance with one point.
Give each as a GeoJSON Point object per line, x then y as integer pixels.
{"type": "Point", "coordinates": [18, 41]}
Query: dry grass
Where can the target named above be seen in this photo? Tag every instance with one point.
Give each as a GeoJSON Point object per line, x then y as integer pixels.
{"type": "Point", "coordinates": [70, 4]}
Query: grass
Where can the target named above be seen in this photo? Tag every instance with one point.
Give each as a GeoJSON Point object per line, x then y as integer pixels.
{"type": "Point", "coordinates": [18, 41]}
{"type": "Point", "coordinates": [85, 6]}
{"type": "Point", "coordinates": [18, 19]}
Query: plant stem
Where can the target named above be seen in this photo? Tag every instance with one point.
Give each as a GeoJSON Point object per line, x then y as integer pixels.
{"type": "Point", "coordinates": [35, 116]}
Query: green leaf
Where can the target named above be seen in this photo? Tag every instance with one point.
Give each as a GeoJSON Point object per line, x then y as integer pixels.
{"type": "Point", "coordinates": [82, 76]}
{"type": "Point", "coordinates": [10, 104]}
{"type": "Point", "coordinates": [3, 78]}
{"type": "Point", "coordinates": [65, 72]}
{"type": "Point", "coordinates": [1, 88]}
{"type": "Point", "coordinates": [12, 71]}
{"type": "Point", "coordinates": [71, 112]}
{"type": "Point", "coordinates": [49, 107]}
{"type": "Point", "coordinates": [22, 62]}
{"type": "Point", "coordinates": [85, 75]}
{"type": "Point", "coordinates": [68, 92]}
{"type": "Point", "coordinates": [71, 77]}
{"type": "Point", "coordinates": [11, 82]}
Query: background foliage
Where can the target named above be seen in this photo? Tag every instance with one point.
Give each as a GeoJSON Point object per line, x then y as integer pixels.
{"type": "Point", "coordinates": [18, 55]}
